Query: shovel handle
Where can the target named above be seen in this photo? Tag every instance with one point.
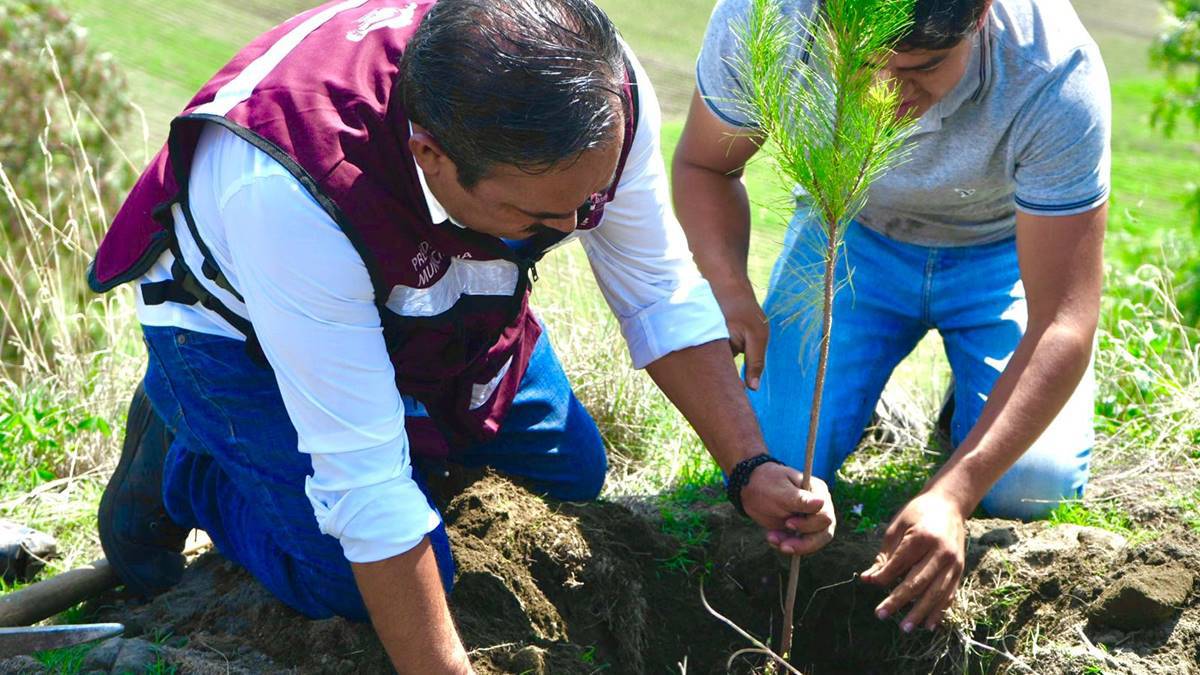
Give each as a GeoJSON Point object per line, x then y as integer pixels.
{"type": "Point", "coordinates": [60, 592]}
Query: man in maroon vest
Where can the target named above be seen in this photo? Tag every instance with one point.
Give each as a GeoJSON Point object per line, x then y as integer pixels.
{"type": "Point", "coordinates": [333, 256]}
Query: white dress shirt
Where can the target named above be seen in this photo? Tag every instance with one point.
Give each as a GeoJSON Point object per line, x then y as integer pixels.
{"type": "Point", "coordinates": [310, 299]}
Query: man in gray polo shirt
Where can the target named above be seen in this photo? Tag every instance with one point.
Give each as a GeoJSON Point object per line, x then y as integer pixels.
{"type": "Point", "coordinates": [991, 233]}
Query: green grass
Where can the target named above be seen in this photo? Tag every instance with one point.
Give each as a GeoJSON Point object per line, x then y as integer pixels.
{"type": "Point", "coordinates": [1189, 509]}
{"type": "Point", "coordinates": [65, 661]}
{"type": "Point", "coordinates": [69, 661]}
{"type": "Point", "coordinates": [190, 39]}
{"type": "Point", "coordinates": [876, 484]}
{"type": "Point", "coordinates": [1150, 180]}
{"type": "Point", "coordinates": [1113, 519]}
{"type": "Point", "coordinates": [169, 49]}
{"type": "Point", "coordinates": [699, 484]}
{"type": "Point", "coordinates": [35, 437]}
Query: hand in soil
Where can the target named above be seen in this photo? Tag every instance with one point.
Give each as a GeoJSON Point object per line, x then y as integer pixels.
{"type": "Point", "coordinates": [798, 521]}
{"type": "Point", "coordinates": [924, 545]}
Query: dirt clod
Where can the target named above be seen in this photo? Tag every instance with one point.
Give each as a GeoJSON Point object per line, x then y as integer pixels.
{"type": "Point", "coordinates": [1144, 597]}
{"type": "Point", "coordinates": [999, 537]}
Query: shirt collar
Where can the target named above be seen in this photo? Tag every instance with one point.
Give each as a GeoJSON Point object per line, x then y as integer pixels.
{"type": "Point", "coordinates": [969, 88]}
{"type": "Point", "coordinates": [437, 213]}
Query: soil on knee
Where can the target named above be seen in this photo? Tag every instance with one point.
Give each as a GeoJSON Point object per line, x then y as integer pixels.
{"type": "Point", "coordinates": [583, 588]}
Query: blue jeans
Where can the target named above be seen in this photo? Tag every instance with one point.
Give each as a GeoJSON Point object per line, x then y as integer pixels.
{"type": "Point", "coordinates": [234, 470]}
{"type": "Point", "coordinates": [892, 293]}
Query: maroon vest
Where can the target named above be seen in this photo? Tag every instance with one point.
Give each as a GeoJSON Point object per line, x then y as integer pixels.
{"type": "Point", "coordinates": [316, 93]}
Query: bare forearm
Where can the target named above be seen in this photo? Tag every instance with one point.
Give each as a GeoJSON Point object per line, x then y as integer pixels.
{"type": "Point", "coordinates": [714, 210]}
{"type": "Point", "coordinates": [703, 384]}
{"type": "Point", "coordinates": [408, 610]}
{"type": "Point", "coordinates": [1042, 374]}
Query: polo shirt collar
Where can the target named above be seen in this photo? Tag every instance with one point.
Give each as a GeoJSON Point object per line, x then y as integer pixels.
{"type": "Point", "coordinates": [970, 88]}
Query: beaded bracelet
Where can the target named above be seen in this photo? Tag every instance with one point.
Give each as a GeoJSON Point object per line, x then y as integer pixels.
{"type": "Point", "coordinates": [740, 476]}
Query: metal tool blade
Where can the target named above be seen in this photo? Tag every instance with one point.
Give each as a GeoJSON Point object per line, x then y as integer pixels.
{"type": "Point", "coordinates": [18, 641]}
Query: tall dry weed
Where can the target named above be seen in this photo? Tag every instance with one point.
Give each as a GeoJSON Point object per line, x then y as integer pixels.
{"type": "Point", "coordinates": [70, 356]}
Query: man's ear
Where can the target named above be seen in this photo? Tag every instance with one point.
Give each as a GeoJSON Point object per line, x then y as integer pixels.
{"type": "Point", "coordinates": [428, 153]}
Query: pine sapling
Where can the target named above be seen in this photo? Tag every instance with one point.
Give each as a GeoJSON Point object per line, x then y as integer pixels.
{"type": "Point", "coordinates": [814, 89]}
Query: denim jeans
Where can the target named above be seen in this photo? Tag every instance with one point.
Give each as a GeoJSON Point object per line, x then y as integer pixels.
{"type": "Point", "coordinates": [235, 472]}
{"type": "Point", "coordinates": [892, 293]}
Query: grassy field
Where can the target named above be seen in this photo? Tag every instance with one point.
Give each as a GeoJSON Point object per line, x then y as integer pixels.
{"type": "Point", "coordinates": [1149, 362]}
{"type": "Point", "coordinates": [191, 39]}
{"type": "Point", "coordinates": [169, 49]}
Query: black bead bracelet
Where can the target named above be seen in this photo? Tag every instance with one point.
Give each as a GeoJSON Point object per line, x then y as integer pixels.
{"type": "Point", "coordinates": [740, 476]}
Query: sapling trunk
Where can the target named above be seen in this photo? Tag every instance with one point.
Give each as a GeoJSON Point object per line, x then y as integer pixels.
{"type": "Point", "coordinates": [832, 128]}
{"type": "Point", "coordinates": [814, 417]}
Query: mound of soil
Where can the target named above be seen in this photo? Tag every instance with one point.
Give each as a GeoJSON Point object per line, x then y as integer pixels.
{"type": "Point", "coordinates": [583, 588]}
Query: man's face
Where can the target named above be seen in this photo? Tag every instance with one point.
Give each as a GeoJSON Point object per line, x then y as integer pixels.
{"type": "Point", "coordinates": [924, 77]}
{"type": "Point", "coordinates": [515, 204]}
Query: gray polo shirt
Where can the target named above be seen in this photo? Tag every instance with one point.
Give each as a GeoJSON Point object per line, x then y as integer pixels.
{"type": "Point", "coordinates": [1027, 127]}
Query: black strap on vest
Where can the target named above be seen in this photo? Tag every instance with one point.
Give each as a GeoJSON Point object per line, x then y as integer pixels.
{"type": "Point", "coordinates": [185, 288]}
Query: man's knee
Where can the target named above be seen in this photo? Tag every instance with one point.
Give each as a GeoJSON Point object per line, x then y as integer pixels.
{"type": "Point", "coordinates": [592, 469]}
{"type": "Point", "coordinates": [590, 461]}
{"type": "Point", "coordinates": [593, 479]}
{"type": "Point", "coordinates": [1036, 485]}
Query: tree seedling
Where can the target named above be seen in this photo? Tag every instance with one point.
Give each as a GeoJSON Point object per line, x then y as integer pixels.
{"type": "Point", "coordinates": [815, 89]}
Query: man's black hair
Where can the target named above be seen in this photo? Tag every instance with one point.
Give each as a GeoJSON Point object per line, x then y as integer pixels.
{"type": "Point", "coordinates": [941, 24]}
{"type": "Point", "coordinates": [524, 83]}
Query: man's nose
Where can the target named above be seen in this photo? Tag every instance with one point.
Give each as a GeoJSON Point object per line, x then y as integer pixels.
{"type": "Point", "coordinates": [565, 225]}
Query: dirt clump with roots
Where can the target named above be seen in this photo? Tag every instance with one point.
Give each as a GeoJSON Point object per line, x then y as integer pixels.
{"type": "Point", "coordinates": [549, 587]}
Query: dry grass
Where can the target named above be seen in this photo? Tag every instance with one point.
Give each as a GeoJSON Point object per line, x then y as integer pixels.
{"type": "Point", "coordinates": [70, 357]}
{"type": "Point", "coordinates": [651, 446]}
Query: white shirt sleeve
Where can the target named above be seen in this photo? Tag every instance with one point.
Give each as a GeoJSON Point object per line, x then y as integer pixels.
{"type": "Point", "coordinates": [311, 302]}
{"type": "Point", "coordinates": [640, 256]}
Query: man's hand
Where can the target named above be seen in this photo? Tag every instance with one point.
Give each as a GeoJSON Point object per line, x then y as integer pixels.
{"type": "Point", "coordinates": [703, 384]}
{"type": "Point", "coordinates": [714, 211]}
{"type": "Point", "coordinates": [747, 324]}
{"type": "Point", "coordinates": [408, 609]}
{"type": "Point", "coordinates": [797, 521]}
{"type": "Point", "coordinates": [924, 545]}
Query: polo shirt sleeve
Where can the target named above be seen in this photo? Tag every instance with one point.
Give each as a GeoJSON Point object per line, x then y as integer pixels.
{"type": "Point", "coordinates": [310, 299]}
{"type": "Point", "coordinates": [722, 50]}
{"type": "Point", "coordinates": [716, 71]}
{"type": "Point", "coordinates": [640, 257]}
{"type": "Point", "coordinates": [1063, 140]}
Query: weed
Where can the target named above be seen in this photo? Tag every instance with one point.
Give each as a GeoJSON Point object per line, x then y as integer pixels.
{"type": "Point", "coordinates": [70, 357]}
{"type": "Point", "coordinates": [690, 531]}
{"type": "Point", "coordinates": [37, 120]}
{"type": "Point", "coordinates": [591, 658]}
{"type": "Point", "coordinates": [65, 661]}
{"type": "Point", "coordinates": [35, 433]}
{"type": "Point", "coordinates": [700, 484]}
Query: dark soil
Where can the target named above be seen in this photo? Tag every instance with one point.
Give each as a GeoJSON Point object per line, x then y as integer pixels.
{"type": "Point", "coordinates": [570, 588]}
